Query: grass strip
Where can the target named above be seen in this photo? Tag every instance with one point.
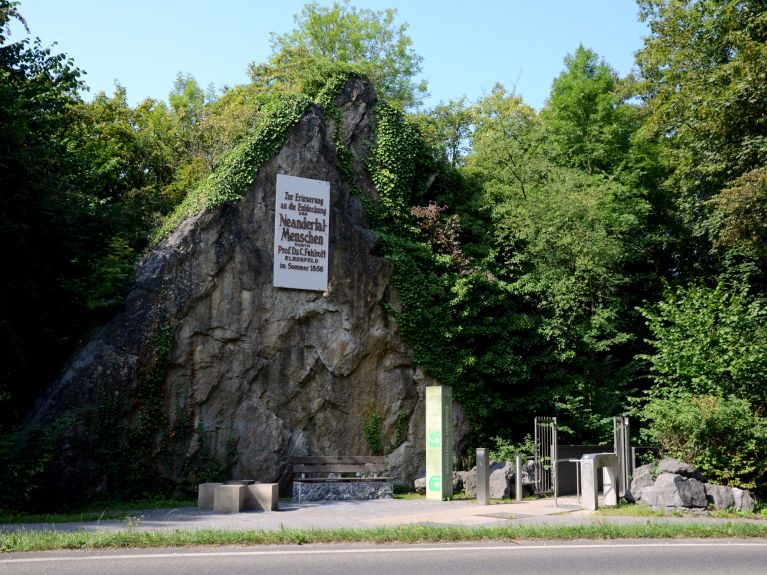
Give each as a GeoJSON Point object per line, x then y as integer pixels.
{"type": "Point", "coordinates": [97, 511]}
{"type": "Point", "coordinates": [24, 540]}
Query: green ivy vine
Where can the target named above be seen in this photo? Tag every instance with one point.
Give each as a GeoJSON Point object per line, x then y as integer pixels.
{"type": "Point", "coordinates": [240, 167]}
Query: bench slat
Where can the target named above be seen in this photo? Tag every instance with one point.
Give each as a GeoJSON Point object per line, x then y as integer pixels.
{"type": "Point", "coordinates": [340, 479]}
{"type": "Point", "coordinates": [349, 459]}
{"type": "Point", "coordinates": [338, 468]}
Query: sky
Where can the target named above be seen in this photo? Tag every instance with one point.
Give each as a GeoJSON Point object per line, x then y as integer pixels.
{"type": "Point", "coordinates": [467, 46]}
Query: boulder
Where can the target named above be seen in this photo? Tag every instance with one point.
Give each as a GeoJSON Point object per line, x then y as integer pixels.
{"type": "Point", "coordinates": [420, 485]}
{"type": "Point", "coordinates": [463, 476]}
{"type": "Point", "coordinates": [719, 496]}
{"type": "Point", "coordinates": [674, 466]}
{"type": "Point", "coordinates": [457, 482]}
{"type": "Point", "coordinates": [671, 491]}
{"type": "Point", "coordinates": [470, 482]}
{"type": "Point", "coordinates": [742, 500]}
{"type": "Point", "coordinates": [501, 480]}
{"type": "Point", "coordinates": [641, 479]}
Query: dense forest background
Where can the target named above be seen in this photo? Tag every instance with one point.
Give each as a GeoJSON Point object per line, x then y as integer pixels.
{"type": "Point", "coordinates": [605, 255]}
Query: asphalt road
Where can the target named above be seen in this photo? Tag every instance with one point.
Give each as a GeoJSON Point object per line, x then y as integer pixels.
{"type": "Point", "coordinates": [593, 558]}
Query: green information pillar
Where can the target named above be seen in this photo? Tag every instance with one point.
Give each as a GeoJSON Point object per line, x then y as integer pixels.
{"type": "Point", "coordinates": [439, 443]}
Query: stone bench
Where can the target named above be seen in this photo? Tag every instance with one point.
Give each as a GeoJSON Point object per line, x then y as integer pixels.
{"type": "Point", "coordinates": [340, 478]}
{"type": "Point", "coordinates": [238, 495]}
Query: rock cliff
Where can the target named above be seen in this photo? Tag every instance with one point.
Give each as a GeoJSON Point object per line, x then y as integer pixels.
{"type": "Point", "coordinates": [206, 354]}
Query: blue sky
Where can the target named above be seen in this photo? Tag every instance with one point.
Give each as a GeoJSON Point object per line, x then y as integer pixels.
{"type": "Point", "coordinates": [467, 46]}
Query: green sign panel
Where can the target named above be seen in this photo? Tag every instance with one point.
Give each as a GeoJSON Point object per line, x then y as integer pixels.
{"type": "Point", "coordinates": [439, 442]}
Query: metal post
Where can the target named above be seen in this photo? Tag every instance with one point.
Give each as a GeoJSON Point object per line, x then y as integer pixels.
{"type": "Point", "coordinates": [554, 458]}
{"type": "Point", "coordinates": [627, 466]}
{"type": "Point", "coordinates": [518, 478]}
{"type": "Point", "coordinates": [578, 480]}
{"type": "Point", "coordinates": [483, 477]}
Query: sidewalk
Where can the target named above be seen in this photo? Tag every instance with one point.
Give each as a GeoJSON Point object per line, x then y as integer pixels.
{"type": "Point", "coordinates": [366, 514]}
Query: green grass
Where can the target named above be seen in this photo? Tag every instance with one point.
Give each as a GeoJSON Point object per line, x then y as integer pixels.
{"type": "Point", "coordinates": [634, 510]}
{"type": "Point", "coordinates": [97, 511]}
{"type": "Point", "coordinates": [630, 510]}
{"type": "Point", "coordinates": [18, 541]}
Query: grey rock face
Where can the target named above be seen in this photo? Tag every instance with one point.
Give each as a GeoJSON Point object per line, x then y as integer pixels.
{"type": "Point", "coordinates": [285, 372]}
{"type": "Point", "coordinates": [719, 496]}
{"type": "Point", "coordinates": [742, 500]}
{"type": "Point", "coordinates": [457, 482]}
{"type": "Point", "coordinates": [470, 482]}
{"type": "Point", "coordinates": [420, 485]}
{"type": "Point", "coordinates": [680, 468]}
{"type": "Point", "coordinates": [501, 480]}
{"type": "Point", "coordinates": [672, 491]}
{"type": "Point", "coordinates": [641, 479]}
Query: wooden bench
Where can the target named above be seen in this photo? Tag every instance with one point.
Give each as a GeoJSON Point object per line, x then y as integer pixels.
{"type": "Point", "coordinates": [340, 477]}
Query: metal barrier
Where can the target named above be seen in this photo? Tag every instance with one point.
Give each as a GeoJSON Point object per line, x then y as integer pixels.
{"type": "Point", "coordinates": [545, 454]}
{"type": "Point", "coordinates": [577, 463]}
{"type": "Point", "coordinates": [609, 464]}
{"type": "Point", "coordinates": [483, 476]}
{"type": "Point", "coordinates": [518, 483]}
{"type": "Point", "coordinates": [622, 449]}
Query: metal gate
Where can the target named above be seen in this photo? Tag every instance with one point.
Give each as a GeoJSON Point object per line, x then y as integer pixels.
{"type": "Point", "coordinates": [622, 445]}
{"type": "Point", "coordinates": [545, 454]}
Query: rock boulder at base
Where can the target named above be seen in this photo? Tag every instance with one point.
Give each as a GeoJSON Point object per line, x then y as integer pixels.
{"type": "Point", "coordinates": [672, 491]}
{"type": "Point", "coordinates": [742, 500]}
{"type": "Point", "coordinates": [420, 485]}
{"type": "Point", "coordinates": [680, 468]}
{"type": "Point", "coordinates": [641, 479]}
{"type": "Point", "coordinates": [719, 496]}
{"type": "Point", "coordinates": [501, 480]}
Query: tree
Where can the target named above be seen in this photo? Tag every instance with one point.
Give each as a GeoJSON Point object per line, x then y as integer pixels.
{"type": "Point", "coordinates": [341, 36]}
{"type": "Point", "coordinates": [584, 116]}
{"type": "Point", "coordinates": [702, 71]}
{"type": "Point", "coordinates": [37, 323]}
{"type": "Point", "coordinates": [448, 127]}
{"type": "Point", "coordinates": [506, 144]}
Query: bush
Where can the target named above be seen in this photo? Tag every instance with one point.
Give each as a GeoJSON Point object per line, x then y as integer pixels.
{"type": "Point", "coordinates": [710, 342]}
{"type": "Point", "coordinates": [722, 436]}
{"type": "Point", "coordinates": [505, 450]}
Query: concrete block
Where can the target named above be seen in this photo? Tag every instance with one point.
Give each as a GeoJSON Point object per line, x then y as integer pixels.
{"type": "Point", "coordinates": [205, 496]}
{"type": "Point", "coordinates": [262, 496]}
{"type": "Point", "coordinates": [229, 498]}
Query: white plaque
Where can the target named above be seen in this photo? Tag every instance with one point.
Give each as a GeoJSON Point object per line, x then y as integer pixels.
{"type": "Point", "coordinates": [301, 233]}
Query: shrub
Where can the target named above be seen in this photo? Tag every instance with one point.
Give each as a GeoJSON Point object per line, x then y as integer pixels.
{"type": "Point", "coordinates": [722, 436]}
{"type": "Point", "coordinates": [505, 450]}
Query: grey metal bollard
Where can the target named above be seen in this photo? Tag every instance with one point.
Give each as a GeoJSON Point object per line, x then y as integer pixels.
{"type": "Point", "coordinates": [483, 477]}
{"type": "Point", "coordinates": [518, 478]}
{"type": "Point", "coordinates": [590, 463]}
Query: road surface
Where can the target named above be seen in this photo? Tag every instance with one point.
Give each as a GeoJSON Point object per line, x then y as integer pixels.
{"type": "Point", "coordinates": [694, 557]}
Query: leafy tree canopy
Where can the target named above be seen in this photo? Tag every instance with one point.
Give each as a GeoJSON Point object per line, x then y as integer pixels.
{"type": "Point", "coordinates": [703, 80]}
{"type": "Point", "coordinates": [584, 116]}
{"type": "Point", "coordinates": [341, 36]}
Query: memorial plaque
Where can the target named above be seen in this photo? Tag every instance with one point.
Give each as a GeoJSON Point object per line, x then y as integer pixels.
{"type": "Point", "coordinates": [439, 442]}
{"type": "Point", "coordinates": [301, 233]}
